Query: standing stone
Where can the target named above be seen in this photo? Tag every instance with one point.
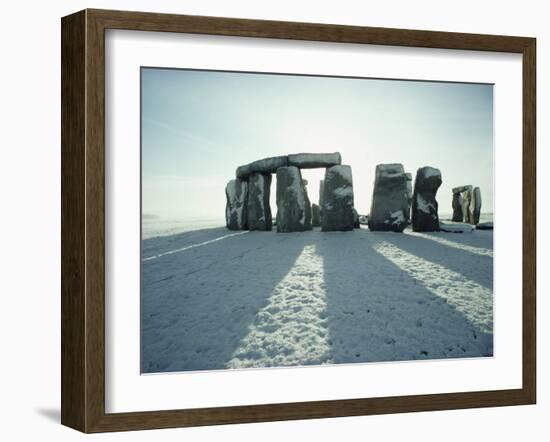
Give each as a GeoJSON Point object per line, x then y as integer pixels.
{"type": "Point", "coordinates": [477, 205]}
{"type": "Point", "coordinates": [236, 213]}
{"type": "Point", "coordinates": [291, 200]}
{"type": "Point", "coordinates": [315, 216]}
{"type": "Point", "coordinates": [458, 216]}
{"type": "Point", "coordinates": [390, 201]}
{"type": "Point", "coordinates": [338, 199]}
{"type": "Point", "coordinates": [308, 206]}
{"type": "Point", "coordinates": [321, 197]}
{"type": "Point", "coordinates": [467, 208]}
{"type": "Point", "coordinates": [259, 211]}
{"type": "Point", "coordinates": [424, 206]}
{"type": "Point", "coordinates": [462, 200]}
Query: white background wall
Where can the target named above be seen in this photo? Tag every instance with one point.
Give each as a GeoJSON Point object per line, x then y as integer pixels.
{"type": "Point", "coordinates": [30, 216]}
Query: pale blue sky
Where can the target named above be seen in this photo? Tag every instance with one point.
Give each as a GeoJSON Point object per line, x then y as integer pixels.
{"type": "Point", "coordinates": [198, 126]}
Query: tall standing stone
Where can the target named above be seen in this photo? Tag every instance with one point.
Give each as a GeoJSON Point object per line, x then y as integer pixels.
{"type": "Point", "coordinates": [236, 213]}
{"type": "Point", "coordinates": [259, 211]}
{"type": "Point", "coordinates": [308, 206]}
{"type": "Point", "coordinates": [462, 204]}
{"type": "Point", "coordinates": [338, 199]}
{"type": "Point", "coordinates": [467, 206]}
{"type": "Point", "coordinates": [390, 199]}
{"type": "Point", "coordinates": [477, 205]}
{"type": "Point", "coordinates": [291, 200]}
{"type": "Point", "coordinates": [458, 216]}
{"type": "Point", "coordinates": [425, 216]}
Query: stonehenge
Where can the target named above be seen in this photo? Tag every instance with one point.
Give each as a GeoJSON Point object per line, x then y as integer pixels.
{"type": "Point", "coordinates": [466, 204]}
{"type": "Point", "coordinates": [337, 199]}
{"type": "Point", "coordinates": [247, 195]}
{"type": "Point", "coordinates": [425, 216]}
{"type": "Point", "coordinates": [395, 203]}
{"type": "Point", "coordinates": [390, 199]}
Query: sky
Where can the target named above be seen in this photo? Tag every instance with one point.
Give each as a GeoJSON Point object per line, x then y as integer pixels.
{"type": "Point", "coordinates": [198, 126]}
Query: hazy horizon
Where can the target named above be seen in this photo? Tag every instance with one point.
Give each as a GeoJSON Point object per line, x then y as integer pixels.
{"type": "Point", "coordinates": [198, 126]}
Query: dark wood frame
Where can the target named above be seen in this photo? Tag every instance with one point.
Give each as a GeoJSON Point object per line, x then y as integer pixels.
{"type": "Point", "coordinates": [83, 217]}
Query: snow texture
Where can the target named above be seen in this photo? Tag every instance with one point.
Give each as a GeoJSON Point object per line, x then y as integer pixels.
{"type": "Point", "coordinates": [214, 301]}
{"type": "Point", "coordinates": [431, 172]}
{"type": "Point", "coordinates": [455, 227]}
{"type": "Point", "coordinates": [425, 206]}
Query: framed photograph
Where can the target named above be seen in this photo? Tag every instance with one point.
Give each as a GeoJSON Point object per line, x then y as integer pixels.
{"type": "Point", "coordinates": [270, 220]}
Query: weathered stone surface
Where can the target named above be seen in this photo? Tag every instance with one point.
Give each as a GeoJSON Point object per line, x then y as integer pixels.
{"type": "Point", "coordinates": [466, 200]}
{"type": "Point", "coordinates": [314, 160]}
{"type": "Point", "coordinates": [485, 226]}
{"type": "Point", "coordinates": [337, 199]}
{"type": "Point", "coordinates": [425, 216]}
{"type": "Point", "coordinates": [259, 211]}
{"type": "Point", "coordinates": [455, 227]}
{"type": "Point", "coordinates": [266, 165]}
{"type": "Point", "coordinates": [476, 212]}
{"type": "Point", "coordinates": [315, 216]}
{"type": "Point", "coordinates": [236, 213]}
{"type": "Point", "coordinates": [458, 216]}
{"type": "Point", "coordinates": [390, 202]}
{"type": "Point", "coordinates": [308, 206]}
{"type": "Point", "coordinates": [291, 200]}
{"type": "Point", "coordinates": [409, 193]}
{"type": "Point", "coordinates": [321, 197]}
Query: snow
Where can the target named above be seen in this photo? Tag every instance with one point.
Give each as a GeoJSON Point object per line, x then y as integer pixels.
{"type": "Point", "coordinates": [396, 217]}
{"type": "Point", "coordinates": [431, 172]}
{"type": "Point", "coordinates": [213, 300]}
{"type": "Point", "coordinates": [456, 227]}
{"type": "Point", "coordinates": [423, 205]}
{"type": "Point", "coordinates": [343, 192]}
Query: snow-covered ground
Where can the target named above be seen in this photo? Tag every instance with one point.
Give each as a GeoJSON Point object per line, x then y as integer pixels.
{"type": "Point", "coordinates": [216, 299]}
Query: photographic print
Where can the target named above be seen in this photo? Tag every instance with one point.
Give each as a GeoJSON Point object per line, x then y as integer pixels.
{"type": "Point", "coordinates": [298, 220]}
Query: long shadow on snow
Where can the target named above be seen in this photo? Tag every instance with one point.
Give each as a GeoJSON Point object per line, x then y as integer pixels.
{"type": "Point", "coordinates": [475, 267]}
{"type": "Point", "coordinates": [377, 312]}
{"type": "Point", "coordinates": [197, 305]}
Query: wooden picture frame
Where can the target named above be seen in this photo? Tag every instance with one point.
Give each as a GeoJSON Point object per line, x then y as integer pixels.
{"type": "Point", "coordinates": [83, 220]}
